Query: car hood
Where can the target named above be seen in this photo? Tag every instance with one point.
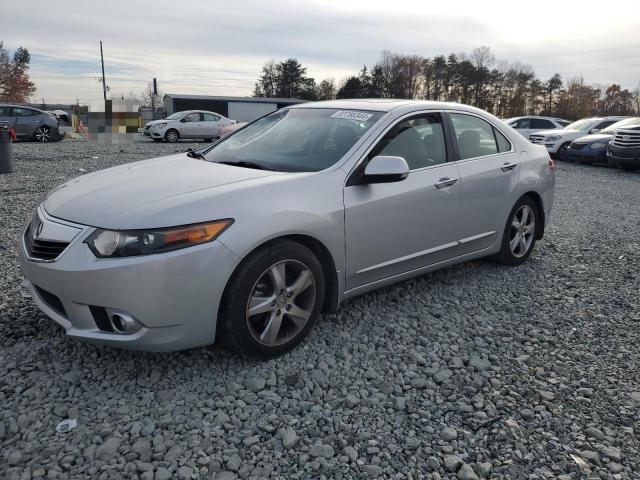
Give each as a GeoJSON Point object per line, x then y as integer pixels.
{"type": "Point", "coordinates": [154, 193]}
{"type": "Point", "coordinates": [594, 137]}
{"type": "Point", "coordinates": [155, 122]}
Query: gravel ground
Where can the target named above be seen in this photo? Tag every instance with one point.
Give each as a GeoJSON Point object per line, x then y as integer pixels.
{"type": "Point", "coordinates": [475, 371]}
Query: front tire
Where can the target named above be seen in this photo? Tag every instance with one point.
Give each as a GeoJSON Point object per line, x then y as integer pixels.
{"type": "Point", "coordinates": [561, 154]}
{"type": "Point", "coordinates": [42, 134]}
{"type": "Point", "coordinates": [272, 300]}
{"type": "Point", "coordinates": [172, 135]}
{"type": "Point", "coordinates": [519, 236]}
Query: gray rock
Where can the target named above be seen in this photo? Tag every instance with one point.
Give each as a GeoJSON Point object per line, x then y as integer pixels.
{"type": "Point", "coordinates": [289, 438]}
{"type": "Point", "coordinates": [185, 473]}
{"type": "Point", "coordinates": [451, 463]}
{"type": "Point", "coordinates": [162, 474]}
{"type": "Point", "coordinates": [479, 363]}
{"type": "Point", "coordinates": [442, 376]}
{"type": "Point", "coordinates": [256, 384]}
{"type": "Point", "coordinates": [448, 434]}
{"type": "Point", "coordinates": [466, 473]}
{"type": "Point", "coordinates": [321, 450]}
{"type": "Point", "coordinates": [351, 400]}
{"type": "Point", "coordinates": [350, 452]}
{"type": "Point", "coordinates": [234, 462]}
{"type": "Point", "coordinates": [483, 469]}
{"type": "Point", "coordinates": [372, 470]}
{"type": "Point", "coordinates": [108, 449]}
{"type": "Point", "coordinates": [613, 453]}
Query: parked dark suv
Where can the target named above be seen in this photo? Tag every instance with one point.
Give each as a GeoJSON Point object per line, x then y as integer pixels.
{"type": "Point", "coordinates": [30, 123]}
{"type": "Point", "coordinates": [624, 148]}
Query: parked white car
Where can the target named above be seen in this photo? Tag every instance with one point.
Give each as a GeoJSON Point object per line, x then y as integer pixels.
{"type": "Point", "coordinates": [557, 141]}
{"type": "Point", "coordinates": [526, 126]}
{"type": "Point", "coordinates": [188, 124]}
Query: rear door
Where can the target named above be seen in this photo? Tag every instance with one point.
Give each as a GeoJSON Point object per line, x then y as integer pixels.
{"type": "Point", "coordinates": [489, 174]}
{"type": "Point", "coordinates": [393, 228]}
{"type": "Point", "coordinates": [191, 126]}
{"type": "Point", "coordinates": [6, 117]}
{"type": "Point", "coordinates": [211, 125]}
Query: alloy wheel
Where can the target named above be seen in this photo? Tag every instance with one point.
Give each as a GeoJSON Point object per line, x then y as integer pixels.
{"type": "Point", "coordinates": [43, 134]}
{"type": "Point", "coordinates": [522, 231]}
{"type": "Point", "coordinates": [172, 137]}
{"type": "Point", "coordinates": [281, 303]}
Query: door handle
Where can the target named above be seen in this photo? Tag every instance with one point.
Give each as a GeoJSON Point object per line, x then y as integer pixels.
{"type": "Point", "coordinates": [507, 167]}
{"type": "Point", "coordinates": [445, 182]}
{"type": "Point", "coordinates": [35, 121]}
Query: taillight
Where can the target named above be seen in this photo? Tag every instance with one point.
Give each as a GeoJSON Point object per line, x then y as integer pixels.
{"type": "Point", "coordinates": [552, 164]}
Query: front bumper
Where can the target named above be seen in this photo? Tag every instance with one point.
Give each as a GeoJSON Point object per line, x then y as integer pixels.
{"type": "Point", "coordinates": [174, 296]}
{"type": "Point", "coordinates": [587, 155]}
{"type": "Point", "coordinates": [629, 155]}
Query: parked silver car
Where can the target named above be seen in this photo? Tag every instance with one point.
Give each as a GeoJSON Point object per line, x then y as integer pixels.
{"type": "Point", "coordinates": [190, 124]}
{"type": "Point", "coordinates": [250, 238]}
{"type": "Point", "coordinates": [30, 123]}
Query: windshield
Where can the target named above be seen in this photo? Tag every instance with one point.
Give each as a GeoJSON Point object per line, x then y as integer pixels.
{"type": "Point", "coordinates": [295, 140]}
{"type": "Point", "coordinates": [175, 116]}
{"type": "Point", "coordinates": [627, 122]}
{"type": "Point", "coordinates": [583, 124]}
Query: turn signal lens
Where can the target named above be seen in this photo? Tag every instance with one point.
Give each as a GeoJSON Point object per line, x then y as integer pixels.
{"type": "Point", "coordinates": [552, 164]}
{"type": "Point", "coordinates": [126, 243]}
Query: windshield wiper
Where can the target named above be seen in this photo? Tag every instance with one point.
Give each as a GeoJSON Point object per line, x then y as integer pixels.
{"type": "Point", "coordinates": [193, 154]}
{"type": "Point", "coordinates": [247, 164]}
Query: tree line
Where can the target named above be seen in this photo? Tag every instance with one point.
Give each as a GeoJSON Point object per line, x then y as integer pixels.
{"type": "Point", "coordinates": [479, 79]}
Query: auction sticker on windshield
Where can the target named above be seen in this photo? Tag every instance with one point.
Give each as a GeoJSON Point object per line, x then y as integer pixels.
{"type": "Point", "coordinates": [352, 115]}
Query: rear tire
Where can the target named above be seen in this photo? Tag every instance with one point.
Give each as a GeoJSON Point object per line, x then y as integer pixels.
{"type": "Point", "coordinates": [42, 134]}
{"type": "Point", "coordinates": [172, 135]}
{"type": "Point", "coordinates": [519, 237]}
{"type": "Point", "coordinates": [272, 300]}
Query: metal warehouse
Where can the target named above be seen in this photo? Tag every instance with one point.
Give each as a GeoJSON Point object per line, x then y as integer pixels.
{"type": "Point", "coordinates": [243, 109]}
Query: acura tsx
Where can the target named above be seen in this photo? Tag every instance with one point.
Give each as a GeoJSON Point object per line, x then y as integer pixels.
{"type": "Point", "coordinates": [249, 239]}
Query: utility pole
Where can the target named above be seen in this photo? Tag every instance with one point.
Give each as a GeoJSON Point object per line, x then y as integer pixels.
{"type": "Point", "coordinates": [104, 85]}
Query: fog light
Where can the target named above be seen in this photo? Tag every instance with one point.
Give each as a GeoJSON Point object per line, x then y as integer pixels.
{"type": "Point", "coordinates": [122, 322]}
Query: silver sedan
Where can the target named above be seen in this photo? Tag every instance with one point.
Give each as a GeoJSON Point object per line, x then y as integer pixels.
{"type": "Point", "coordinates": [249, 239]}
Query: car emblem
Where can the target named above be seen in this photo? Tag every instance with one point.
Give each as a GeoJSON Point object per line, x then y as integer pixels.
{"type": "Point", "coordinates": [626, 137]}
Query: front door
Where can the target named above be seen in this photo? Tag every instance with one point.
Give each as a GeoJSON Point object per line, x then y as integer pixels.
{"type": "Point", "coordinates": [25, 121]}
{"type": "Point", "coordinates": [393, 228]}
{"type": "Point", "coordinates": [489, 174]}
{"type": "Point", "coordinates": [191, 126]}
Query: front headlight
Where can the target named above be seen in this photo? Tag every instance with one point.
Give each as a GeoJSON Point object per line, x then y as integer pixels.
{"type": "Point", "coordinates": [160, 125]}
{"type": "Point", "coordinates": [552, 138]}
{"type": "Point", "coordinates": [599, 145]}
{"type": "Point", "coordinates": [128, 243]}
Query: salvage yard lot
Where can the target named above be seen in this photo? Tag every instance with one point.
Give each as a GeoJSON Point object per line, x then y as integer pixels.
{"type": "Point", "coordinates": [475, 370]}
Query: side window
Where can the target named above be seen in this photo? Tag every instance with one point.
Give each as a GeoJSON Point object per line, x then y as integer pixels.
{"type": "Point", "coordinates": [419, 140]}
{"type": "Point", "coordinates": [605, 124]}
{"type": "Point", "coordinates": [523, 123]}
{"type": "Point", "coordinates": [504, 145]}
{"type": "Point", "coordinates": [474, 135]}
{"type": "Point", "coordinates": [193, 117]}
{"type": "Point", "coordinates": [5, 111]}
{"type": "Point", "coordinates": [542, 124]}
{"type": "Point", "coordinates": [210, 117]}
{"type": "Point", "coordinates": [22, 112]}
{"type": "Point", "coordinates": [563, 123]}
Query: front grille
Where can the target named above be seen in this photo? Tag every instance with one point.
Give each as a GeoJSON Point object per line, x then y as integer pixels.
{"type": "Point", "coordinates": [51, 300]}
{"type": "Point", "coordinates": [536, 139]}
{"type": "Point", "coordinates": [577, 146]}
{"type": "Point", "coordinates": [626, 138]}
{"type": "Point", "coordinates": [42, 249]}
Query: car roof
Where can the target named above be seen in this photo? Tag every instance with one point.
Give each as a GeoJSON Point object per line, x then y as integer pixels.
{"type": "Point", "coordinates": [385, 105]}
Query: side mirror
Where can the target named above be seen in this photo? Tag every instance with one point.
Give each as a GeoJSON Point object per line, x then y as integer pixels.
{"type": "Point", "coordinates": [385, 169]}
{"type": "Point", "coordinates": [594, 130]}
{"type": "Point", "coordinates": [183, 120]}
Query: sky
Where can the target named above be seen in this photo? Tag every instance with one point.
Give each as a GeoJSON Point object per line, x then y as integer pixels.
{"type": "Point", "coordinates": [218, 47]}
